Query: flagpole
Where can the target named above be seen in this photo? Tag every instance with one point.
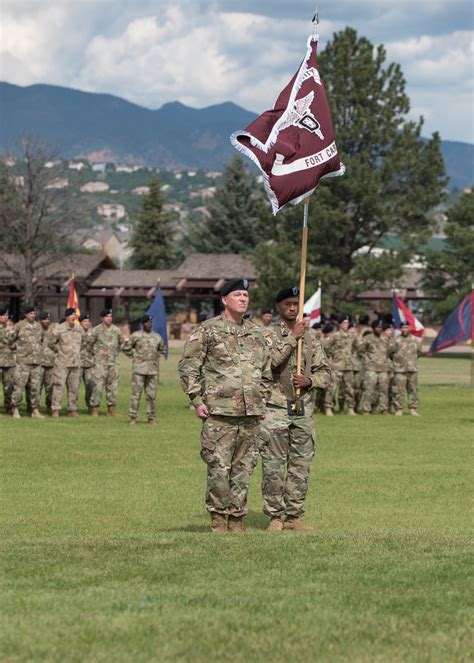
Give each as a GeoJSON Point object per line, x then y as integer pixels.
{"type": "Point", "coordinates": [472, 335]}
{"type": "Point", "coordinates": [304, 254]}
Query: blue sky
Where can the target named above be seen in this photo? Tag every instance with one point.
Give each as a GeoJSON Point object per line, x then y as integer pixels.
{"type": "Point", "coordinates": [203, 52]}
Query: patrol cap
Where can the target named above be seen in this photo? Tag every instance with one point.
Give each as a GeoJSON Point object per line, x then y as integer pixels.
{"type": "Point", "coordinates": [45, 315]}
{"type": "Point", "coordinates": [145, 318]}
{"type": "Point", "coordinates": [328, 328]}
{"type": "Point", "coordinates": [84, 316]}
{"type": "Point", "coordinates": [285, 293]}
{"type": "Point", "coordinates": [235, 284]}
{"type": "Point", "coordinates": [29, 309]}
{"type": "Point", "coordinates": [69, 311]}
{"type": "Point", "coordinates": [343, 317]}
{"type": "Point", "coordinates": [105, 311]}
{"type": "Point", "coordinates": [4, 311]}
{"type": "Point", "coordinates": [377, 324]}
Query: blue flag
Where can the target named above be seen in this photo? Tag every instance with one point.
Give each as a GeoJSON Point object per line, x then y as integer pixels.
{"type": "Point", "coordinates": [158, 312]}
{"type": "Point", "coordinates": [458, 328]}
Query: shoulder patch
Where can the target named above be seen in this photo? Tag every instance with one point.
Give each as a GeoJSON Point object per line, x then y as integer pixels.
{"type": "Point", "coordinates": [193, 337]}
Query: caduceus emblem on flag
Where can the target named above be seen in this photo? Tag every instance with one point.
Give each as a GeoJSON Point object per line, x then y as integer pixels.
{"type": "Point", "coordinates": [293, 144]}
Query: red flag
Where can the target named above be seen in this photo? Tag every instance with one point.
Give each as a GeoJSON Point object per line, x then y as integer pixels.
{"type": "Point", "coordinates": [313, 307]}
{"type": "Point", "coordinates": [72, 299]}
{"type": "Point", "coordinates": [293, 144]}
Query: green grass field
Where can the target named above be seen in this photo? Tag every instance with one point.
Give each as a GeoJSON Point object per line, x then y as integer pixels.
{"type": "Point", "coordinates": [107, 554]}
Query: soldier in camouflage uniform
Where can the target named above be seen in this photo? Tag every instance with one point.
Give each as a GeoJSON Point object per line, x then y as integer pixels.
{"type": "Point", "coordinates": [145, 347]}
{"type": "Point", "coordinates": [48, 357]}
{"type": "Point", "coordinates": [105, 341]}
{"type": "Point", "coordinates": [404, 351]}
{"type": "Point", "coordinates": [388, 333]}
{"type": "Point", "coordinates": [67, 341]}
{"type": "Point", "coordinates": [356, 366]}
{"type": "Point", "coordinates": [87, 359]}
{"type": "Point", "coordinates": [374, 352]}
{"type": "Point", "coordinates": [225, 371]}
{"type": "Point", "coordinates": [340, 347]}
{"type": "Point", "coordinates": [7, 359]}
{"type": "Point", "coordinates": [288, 448]}
{"type": "Point", "coordinates": [28, 338]}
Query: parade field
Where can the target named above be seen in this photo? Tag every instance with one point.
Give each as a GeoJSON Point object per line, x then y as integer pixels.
{"type": "Point", "coordinates": [107, 553]}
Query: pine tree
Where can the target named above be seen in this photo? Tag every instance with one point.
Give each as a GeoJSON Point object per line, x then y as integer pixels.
{"type": "Point", "coordinates": [152, 239]}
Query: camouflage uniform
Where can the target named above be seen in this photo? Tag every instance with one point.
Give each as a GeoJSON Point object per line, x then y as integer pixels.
{"type": "Point", "coordinates": [374, 351]}
{"type": "Point", "coordinates": [67, 342]}
{"type": "Point", "coordinates": [404, 351]}
{"type": "Point", "coordinates": [358, 375]}
{"type": "Point", "coordinates": [146, 349]}
{"type": "Point", "coordinates": [288, 448]}
{"type": "Point", "coordinates": [48, 357]}
{"type": "Point", "coordinates": [340, 348]}
{"type": "Point", "coordinates": [28, 338]}
{"type": "Point", "coordinates": [106, 343]}
{"type": "Point", "coordinates": [87, 368]}
{"type": "Point", "coordinates": [7, 364]}
{"type": "Point", "coordinates": [226, 366]}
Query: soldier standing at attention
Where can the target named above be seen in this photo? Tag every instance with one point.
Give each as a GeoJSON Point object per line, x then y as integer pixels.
{"type": "Point", "coordinates": [145, 347]}
{"type": "Point", "coordinates": [28, 337]}
{"type": "Point", "coordinates": [356, 367]}
{"type": "Point", "coordinates": [374, 351]}
{"type": "Point", "coordinates": [225, 371]}
{"type": "Point", "coordinates": [388, 333]}
{"type": "Point", "coordinates": [67, 343]}
{"type": "Point", "coordinates": [105, 341]}
{"type": "Point", "coordinates": [340, 348]}
{"type": "Point", "coordinates": [87, 359]}
{"type": "Point", "coordinates": [404, 351]}
{"type": "Point", "coordinates": [288, 448]}
{"type": "Point", "coordinates": [7, 359]}
{"type": "Point", "coordinates": [48, 357]}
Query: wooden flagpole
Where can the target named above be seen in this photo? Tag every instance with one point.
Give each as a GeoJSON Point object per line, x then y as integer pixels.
{"type": "Point", "coordinates": [304, 256]}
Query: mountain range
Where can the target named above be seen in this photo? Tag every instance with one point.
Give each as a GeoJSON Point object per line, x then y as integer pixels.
{"type": "Point", "coordinates": [103, 127]}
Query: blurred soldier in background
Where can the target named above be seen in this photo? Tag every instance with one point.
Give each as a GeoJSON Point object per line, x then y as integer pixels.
{"type": "Point", "coordinates": [87, 359]}
{"type": "Point", "coordinates": [7, 359]}
{"type": "Point", "coordinates": [67, 342]}
{"type": "Point", "coordinates": [374, 353]}
{"type": "Point", "coordinates": [48, 357]}
{"type": "Point", "coordinates": [28, 338]}
{"type": "Point", "coordinates": [339, 348]}
{"type": "Point", "coordinates": [404, 351]}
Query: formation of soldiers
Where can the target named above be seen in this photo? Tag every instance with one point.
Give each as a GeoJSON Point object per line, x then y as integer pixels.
{"type": "Point", "coordinates": [243, 381]}
{"type": "Point", "coordinates": [37, 355]}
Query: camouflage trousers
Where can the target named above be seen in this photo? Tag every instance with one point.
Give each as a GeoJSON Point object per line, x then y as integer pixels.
{"type": "Point", "coordinates": [287, 451]}
{"type": "Point", "coordinates": [375, 391]}
{"type": "Point", "coordinates": [27, 376]}
{"type": "Point", "coordinates": [47, 382]}
{"type": "Point", "coordinates": [87, 375]}
{"type": "Point", "coordinates": [358, 386]}
{"type": "Point", "coordinates": [342, 387]}
{"type": "Point", "coordinates": [405, 382]}
{"type": "Point", "coordinates": [229, 447]}
{"type": "Point", "coordinates": [69, 378]}
{"type": "Point", "coordinates": [108, 377]}
{"type": "Point", "coordinates": [7, 375]}
{"type": "Point", "coordinates": [149, 383]}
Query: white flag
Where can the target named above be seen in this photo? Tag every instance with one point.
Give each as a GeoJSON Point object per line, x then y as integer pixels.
{"type": "Point", "coordinates": [313, 307]}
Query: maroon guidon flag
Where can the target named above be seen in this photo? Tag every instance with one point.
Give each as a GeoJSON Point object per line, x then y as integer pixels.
{"type": "Point", "coordinates": [293, 144]}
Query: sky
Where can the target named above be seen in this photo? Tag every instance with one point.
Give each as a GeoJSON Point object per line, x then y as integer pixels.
{"type": "Point", "coordinates": [204, 52]}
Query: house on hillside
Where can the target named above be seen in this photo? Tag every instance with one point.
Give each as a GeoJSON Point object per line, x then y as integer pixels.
{"type": "Point", "coordinates": [94, 187]}
{"type": "Point", "coordinates": [111, 211]}
{"type": "Point", "coordinates": [57, 183]}
{"type": "Point", "coordinates": [104, 240]}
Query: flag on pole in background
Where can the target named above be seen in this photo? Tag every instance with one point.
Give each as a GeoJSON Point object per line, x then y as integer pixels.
{"type": "Point", "coordinates": [72, 298]}
{"type": "Point", "coordinates": [158, 312]}
{"type": "Point", "coordinates": [400, 311]}
{"type": "Point", "coordinates": [293, 144]}
{"type": "Point", "coordinates": [458, 328]}
{"type": "Point", "coordinates": [313, 307]}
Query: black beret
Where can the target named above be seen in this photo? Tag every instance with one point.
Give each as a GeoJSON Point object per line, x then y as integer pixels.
{"type": "Point", "coordinates": [317, 325]}
{"type": "Point", "coordinates": [343, 317]}
{"type": "Point", "coordinates": [377, 324]}
{"type": "Point", "coordinates": [105, 311]}
{"type": "Point", "coordinates": [145, 318]}
{"type": "Point", "coordinates": [45, 315]}
{"type": "Point", "coordinates": [235, 284]}
{"type": "Point", "coordinates": [29, 309]}
{"type": "Point", "coordinates": [62, 320]}
{"type": "Point", "coordinates": [387, 325]}
{"type": "Point", "coordinates": [4, 311]}
{"type": "Point", "coordinates": [69, 311]}
{"type": "Point", "coordinates": [267, 310]}
{"type": "Point", "coordinates": [403, 323]}
{"type": "Point", "coordinates": [328, 328]}
{"type": "Point", "coordinates": [352, 325]}
{"type": "Point", "coordinates": [285, 293]}
{"type": "Point", "coordinates": [364, 319]}
{"type": "Point", "coordinates": [84, 316]}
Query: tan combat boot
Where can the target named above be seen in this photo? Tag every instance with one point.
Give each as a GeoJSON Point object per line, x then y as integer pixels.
{"type": "Point", "coordinates": [111, 411]}
{"type": "Point", "coordinates": [414, 413]}
{"type": "Point", "coordinates": [329, 412]}
{"type": "Point", "coordinates": [73, 413]}
{"type": "Point", "coordinates": [49, 411]}
{"type": "Point", "coordinates": [399, 413]}
{"type": "Point", "coordinates": [351, 412]}
{"type": "Point", "coordinates": [151, 421]}
{"type": "Point", "coordinates": [235, 524]}
{"type": "Point", "coordinates": [292, 522]}
{"type": "Point", "coordinates": [94, 411]}
{"type": "Point", "coordinates": [219, 523]}
{"type": "Point", "coordinates": [55, 414]}
{"type": "Point", "coordinates": [15, 413]}
{"type": "Point", "coordinates": [133, 421]}
{"type": "Point", "coordinates": [276, 525]}
{"type": "Point", "coordinates": [36, 414]}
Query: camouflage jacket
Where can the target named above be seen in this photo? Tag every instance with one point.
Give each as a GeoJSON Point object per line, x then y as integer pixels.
{"type": "Point", "coordinates": [340, 348]}
{"type": "Point", "coordinates": [146, 349]}
{"type": "Point", "coordinates": [356, 358]}
{"type": "Point", "coordinates": [67, 342]}
{"type": "Point", "coordinates": [374, 353]}
{"type": "Point", "coordinates": [283, 349]}
{"type": "Point", "coordinates": [87, 355]}
{"type": "Point", "coordinates": [48, 355]}
{"type": "Point", "coordinates": [227, 367]}
{"type": "Point", "coordinates": [404, 351]}
{"type": "Point", "coordinates": [28, 338]}
{"type": "Point", "coordinates": [106, 343]}
{"type": "Point", "coordinates": [7, 347]}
